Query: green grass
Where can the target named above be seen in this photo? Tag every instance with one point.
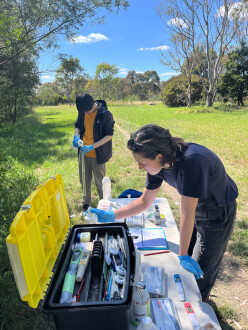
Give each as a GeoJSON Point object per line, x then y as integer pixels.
{"type": "Point", "coordinates": [39, 146]}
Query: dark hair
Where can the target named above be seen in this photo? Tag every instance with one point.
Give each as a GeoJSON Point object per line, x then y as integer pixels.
{"type": "Point", "coordinates": [102, 102]}
{"type": "Point", "coordinates": [151, 140]}
{"type": "Point", "coordinates": [84, 102]}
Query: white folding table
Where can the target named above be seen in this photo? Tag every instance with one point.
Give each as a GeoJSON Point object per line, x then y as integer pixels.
{"type": "Point", "coordinates": [204, 312]}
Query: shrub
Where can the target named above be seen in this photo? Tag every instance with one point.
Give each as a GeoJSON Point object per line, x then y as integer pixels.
{"type": "Point", "coordinates": [175, 91]}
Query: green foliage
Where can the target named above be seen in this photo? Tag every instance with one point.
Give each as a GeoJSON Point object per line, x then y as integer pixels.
{"type": "Point", "coordinates": [143, 86]}
{"type": "Point", "coordinates": [175, 91]}
{"type": "Point", "coordinates": [46, 96]}
{"type": "Point", "coordinates": [105, 79]}
{"type": "Point", "coordinates": [18, 80]}
{"type": "Point", "coordinates": [17, 181]}
{"type": "Point", "coordinates": [227, 312]}
{"type": "Point", "coordinates": [69, 70]}
{"type": "Point", "coordinates": [28, 26]}
{"type": "Point", "coordinates": [239, 242]}
{"type": "Point", "coordinates": [234, 83]}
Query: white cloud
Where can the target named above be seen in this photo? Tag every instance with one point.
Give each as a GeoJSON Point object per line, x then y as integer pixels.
{"type": "Point", "coordinates": [93, 37]}
{"type": "Point", "coordinates": [154, 48]}
{"type": "Point", "coordinates": [46, 77]}
{"type": "Point", "coordinates": [170, 74]}
{"type": "Point", "coordinates": [238, 10]}
{"type": "Point", "coordinates": [177, 22]}
{"type": "Point", "coordinates": [123, 71]}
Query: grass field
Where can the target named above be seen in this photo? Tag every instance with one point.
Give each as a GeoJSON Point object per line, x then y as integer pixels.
{"type": "Point", "coordinates": [39, 146]}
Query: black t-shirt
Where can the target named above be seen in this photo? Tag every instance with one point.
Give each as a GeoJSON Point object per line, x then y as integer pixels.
{"type": "Point", "coordinates": [200, 174]}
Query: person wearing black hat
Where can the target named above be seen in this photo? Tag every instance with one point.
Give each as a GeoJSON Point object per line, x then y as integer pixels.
{"type": "Point", "coordinates": [94, 128]}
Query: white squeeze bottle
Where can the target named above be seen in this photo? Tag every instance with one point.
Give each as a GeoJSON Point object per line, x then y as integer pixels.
{"type": "Point", "coordinates": [140, 304]}
{"type": "Point", "coordinates": [147, 324]}
{"type": "Point", "coordinates": [106, 188]}
{"type": "Point", "coordinates": [90, 217]}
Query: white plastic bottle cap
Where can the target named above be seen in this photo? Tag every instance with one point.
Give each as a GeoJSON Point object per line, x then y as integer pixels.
{"type": "Point", "coordinates": [146, 322]}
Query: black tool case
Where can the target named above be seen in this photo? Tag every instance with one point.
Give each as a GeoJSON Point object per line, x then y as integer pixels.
{"type": "Point", "coordinates": [95, 314]}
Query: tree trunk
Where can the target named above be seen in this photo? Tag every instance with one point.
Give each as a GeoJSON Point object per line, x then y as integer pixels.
{"type": "Point", "coordinates": [189, 95]}
{"type": "Point", "coordinates": [210, 99]}
{"type": "Point", "coordinates": [240, 101]}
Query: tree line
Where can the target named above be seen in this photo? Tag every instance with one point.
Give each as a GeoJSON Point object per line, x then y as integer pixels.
{"type": "Point", "coordinates": [71, 79]}
{"type": "Point", "coordinates": [208, 50]}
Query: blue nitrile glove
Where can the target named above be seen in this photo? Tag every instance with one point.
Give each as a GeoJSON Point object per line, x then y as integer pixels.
{"type": "Point", "coordinates": [191, 265]}
{"type": "Point", "coordinates": [75, 141]}
{"type": "Point", "coordinates": [85, 149]}
{"type": "Point", "coordinates": [104, 216]}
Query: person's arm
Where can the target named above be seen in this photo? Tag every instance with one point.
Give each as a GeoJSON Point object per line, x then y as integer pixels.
{"type": "Point", "coordinates": [187, 218]}
{"type": "Point", "coordinates": [187, 215]}
{"type": "Point", "coordinates": [76, 138]}
{"type": "Point", "coordinates": [137, 206]}
{"type": "Point", "coordinates": [77, 131]}
{"type": "Point", "coordinates": [102, 141]}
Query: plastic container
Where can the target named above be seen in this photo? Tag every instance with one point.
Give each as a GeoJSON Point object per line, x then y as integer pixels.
{"type": "Point", "coordinates": [157, 218]}
{"type": "Point", "coordinates": [137, 264]}
{"type": "Point", "coordinates": [147, 324]}
{"type": "Point", "coordinates": [106, 188]}
{"type": "Point", "coordinates": [141, 303]}
{"type": "Point", "coordinates": [90, 217]}
{"type": "Point", "coordinates": [83, 237]}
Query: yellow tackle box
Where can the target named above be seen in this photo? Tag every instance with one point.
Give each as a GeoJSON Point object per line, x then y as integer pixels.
{"type": "Point", "coordinates": [36, 236]}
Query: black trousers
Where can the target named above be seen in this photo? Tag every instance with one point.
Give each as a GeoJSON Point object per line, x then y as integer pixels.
{"type": "Point", "coordinates": [212, 230]}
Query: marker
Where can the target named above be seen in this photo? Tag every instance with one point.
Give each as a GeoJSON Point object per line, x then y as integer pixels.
{"type": "Point", "coordinates": [77, 297]}
{"type": "Point", "coordinates": [179, 287]}
{"type": "Point", "coordinates": [191, 314]}
{"type": "Point", "coordinates": [151, 254]}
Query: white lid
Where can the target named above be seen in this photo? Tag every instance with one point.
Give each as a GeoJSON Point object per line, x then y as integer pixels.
{"type": "Point", "coordinates": [146, 322]}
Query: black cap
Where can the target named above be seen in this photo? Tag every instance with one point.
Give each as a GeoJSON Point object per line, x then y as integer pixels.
{"type": "Point", "coordinates": [84, 102]}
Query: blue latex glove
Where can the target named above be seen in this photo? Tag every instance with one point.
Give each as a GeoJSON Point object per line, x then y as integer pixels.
{"type": "Point", "coordinates": [75, 141]}
{"type": "Point", "coordinates": [104, 216]}
{"type": "Point", "coordinates": [85, 149]}
{"type": "Point", "coordinates": [191, 265]}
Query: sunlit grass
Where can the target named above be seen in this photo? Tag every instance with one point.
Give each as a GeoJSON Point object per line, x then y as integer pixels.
{"type": "Point", "coordinates": [41, 142]}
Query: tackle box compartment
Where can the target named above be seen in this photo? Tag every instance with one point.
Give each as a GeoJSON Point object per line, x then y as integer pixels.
{"type": "Point", "coordinates": [96, 314]}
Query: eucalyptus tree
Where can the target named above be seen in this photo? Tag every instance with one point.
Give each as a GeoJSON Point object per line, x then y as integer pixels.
{"type": "Point", "coordinates": [210, 25]}
{"type": "Point", "coordinates": [66, 74]}
{"type": "Point", "coordinates": [105, 79]}
{"type": "Point", "coordinates": [234, 82]}
{"type": "Point", "coordinates": [28, 23]}
{"type": "Point", "coordinates": [179, 58]}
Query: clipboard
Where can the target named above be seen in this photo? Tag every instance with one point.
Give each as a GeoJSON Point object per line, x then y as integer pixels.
{"type": "Point", "coordinates": [149, 238]}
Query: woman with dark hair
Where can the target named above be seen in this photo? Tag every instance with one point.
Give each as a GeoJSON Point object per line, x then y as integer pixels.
{"type": "Point", "coordinates": [208, 198]}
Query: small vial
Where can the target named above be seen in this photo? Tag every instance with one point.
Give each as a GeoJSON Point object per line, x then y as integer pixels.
{"type": "Point", "coordinates": [157, 219]}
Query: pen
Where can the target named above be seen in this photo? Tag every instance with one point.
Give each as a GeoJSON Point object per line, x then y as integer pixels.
{"type": "Point", "coordinates": [151, 254]}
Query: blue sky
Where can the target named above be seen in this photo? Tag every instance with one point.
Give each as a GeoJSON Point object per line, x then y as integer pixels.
{"type": "Point", "coordinates": [130, 39]}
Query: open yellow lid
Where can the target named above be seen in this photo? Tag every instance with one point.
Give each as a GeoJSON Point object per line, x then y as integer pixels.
{"type": "Point", "coordinates": [36, 236]}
